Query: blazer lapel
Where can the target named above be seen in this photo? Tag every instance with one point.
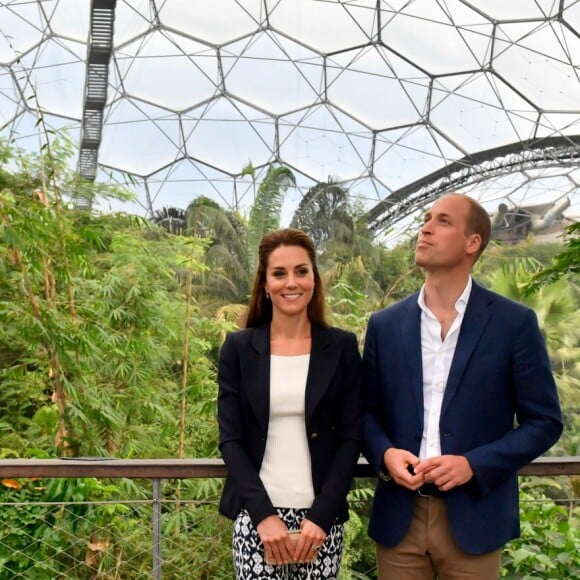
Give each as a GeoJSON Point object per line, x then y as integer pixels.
{"type": "Point", "coordinates": [410, 326]}
{"type": "Point", "coordinates": [260, 399]}
{"type": "Point", "coordinates": [474, 322]}
{"type": "Point", "coordinates": [323, 362]}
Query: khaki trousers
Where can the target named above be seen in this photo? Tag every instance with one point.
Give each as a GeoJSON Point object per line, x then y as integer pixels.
{"type": "Point", "coordinates": [429, 551]}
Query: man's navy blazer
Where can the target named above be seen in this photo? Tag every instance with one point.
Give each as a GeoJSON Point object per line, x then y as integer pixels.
{"type": "Point", "coordinates": [332, 422]}
{"type": "Point", "coordinates": [500, 410]}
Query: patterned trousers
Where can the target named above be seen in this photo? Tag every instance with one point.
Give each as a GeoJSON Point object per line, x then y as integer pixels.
{"type": "Point", "coordinates": [248, 551]}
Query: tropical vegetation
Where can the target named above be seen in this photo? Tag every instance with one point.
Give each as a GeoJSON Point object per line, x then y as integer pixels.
{"type": "Point", "coordinates": [110, 326]}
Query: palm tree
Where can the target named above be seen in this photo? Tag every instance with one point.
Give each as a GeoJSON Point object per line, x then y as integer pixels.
{"type": "Point", "coordinates": [265, 212]}
{"type": "Point", "coordinates": [170, 218]}
{"type": "Point", "coordinates": [233, 242]}
{"type": "Point", "coordinates": [348, 254]}
{"type": "Point", "coordinates": [324, 214]}
{"type": "Point", "coordinates": [226, 277]}
{"type": "Point", "coordinates": [556, 306]}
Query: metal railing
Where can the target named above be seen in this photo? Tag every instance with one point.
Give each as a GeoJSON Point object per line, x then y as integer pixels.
{"type": "Point", "coordinates": [202, 468]}
{"type": "Point", "coordinates": [157, 471]}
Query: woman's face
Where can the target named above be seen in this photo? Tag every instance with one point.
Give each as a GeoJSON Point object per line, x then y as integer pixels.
{"type": "Point", "coordinates": [289, 280]}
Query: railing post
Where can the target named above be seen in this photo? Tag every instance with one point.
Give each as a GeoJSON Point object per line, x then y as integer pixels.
{"type": "Point", "coordinates": [156, 529]}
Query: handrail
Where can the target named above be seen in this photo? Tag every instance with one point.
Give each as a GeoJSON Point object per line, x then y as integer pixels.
{"type": "Point", "coordinates": [198, 468]}
{"type": "Point", "coordinates": [157, 470]}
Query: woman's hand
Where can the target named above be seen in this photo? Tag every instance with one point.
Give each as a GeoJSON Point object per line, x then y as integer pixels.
{"type": "Point", "coordinates": [310, 541]}
{"type": "Point", "coordinates": [278, 546]}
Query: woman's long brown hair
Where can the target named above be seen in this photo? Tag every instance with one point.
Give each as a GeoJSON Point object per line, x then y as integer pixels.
{"type": "Point", "coordinates": [260, 307]}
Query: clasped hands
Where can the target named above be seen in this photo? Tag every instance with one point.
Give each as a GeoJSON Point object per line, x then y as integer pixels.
{"type": "Point", "coordinates": [280, 548]}
{"type": "Point", "coordinates": [445, 471]}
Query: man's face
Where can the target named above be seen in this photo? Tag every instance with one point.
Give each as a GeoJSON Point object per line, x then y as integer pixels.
{"type": "Point", "coordinates": [442, 243]}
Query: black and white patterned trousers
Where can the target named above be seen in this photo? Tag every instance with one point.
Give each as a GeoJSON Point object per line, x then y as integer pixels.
{"type": "Point", "coordinates": [248, 551]}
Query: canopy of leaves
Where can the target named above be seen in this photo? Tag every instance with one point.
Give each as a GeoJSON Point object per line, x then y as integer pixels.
{"type": "Point", "coordinates": [324, 214]}
{"type": "Point", "coordinates": [566, 263]}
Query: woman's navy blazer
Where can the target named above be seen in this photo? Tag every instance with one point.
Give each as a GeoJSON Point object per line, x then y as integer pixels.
{"type": "Point", "coordinates": [332, 421]}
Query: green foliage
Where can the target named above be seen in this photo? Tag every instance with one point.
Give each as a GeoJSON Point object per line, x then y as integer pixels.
{"type": "Point", "coordinates": [564, 264]}
{"type": "Point", "coordinates": [232, 241]}
{"type": "Point", "coordinates": [359, 553]}
{"type": "Point", "coordinates": [17, 527]}
{"type": "Point", "coordinates": [397, 273]}
{"type": "Point", "coordinates": [92, 312]}
{"type": "Point", "coordinates": [496, 253]}
{"type": "Point", "coordinates": [94, 316]}
{"type": "Point", "coordinates": [549, 546]}
{"type": "Point", "coordinates": [556, 306]}
{"type": "Point", "coordinates": [325, 215]}
{"type": "Point", "coordinates": [197, 537]}
{"type": "Point", "coordinates": [348, 308]}
{"type": "Point", "coordinates": [37, 528]}
{"type": "Point", "coordinates": [108, 339]}
{"type": "Point", "coordinates": [356, 260]}
{"type": "Point", "coordinates": [265, 211]}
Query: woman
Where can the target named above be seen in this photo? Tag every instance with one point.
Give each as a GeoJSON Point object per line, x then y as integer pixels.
{"type": "Point", "coordinates": [289, 420]}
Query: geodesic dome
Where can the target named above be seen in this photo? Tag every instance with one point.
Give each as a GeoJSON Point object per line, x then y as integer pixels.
{"type": "Point", "coordinates": [396, 100]}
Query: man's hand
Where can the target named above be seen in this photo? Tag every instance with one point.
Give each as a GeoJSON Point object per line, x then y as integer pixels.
{"type": "Point", "coordinates": [278, 545]}
{"type": "Point", "coordinates": [400, 464]}
{"type": "Point", "coordinates": [445, 471]}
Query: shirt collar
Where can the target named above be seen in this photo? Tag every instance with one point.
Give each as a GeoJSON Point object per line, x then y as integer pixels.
{"type": "Point", "coordinates": [460, 304]}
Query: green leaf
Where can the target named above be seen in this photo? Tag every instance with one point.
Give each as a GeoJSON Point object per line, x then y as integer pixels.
{"type": "Point", "coordinates": [521, 555]}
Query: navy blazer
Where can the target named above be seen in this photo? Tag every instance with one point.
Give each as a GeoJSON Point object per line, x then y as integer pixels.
{"type": "Point", "coordinates": [500, 410]}
{"type": "Point", "coordinates": [332, 421]}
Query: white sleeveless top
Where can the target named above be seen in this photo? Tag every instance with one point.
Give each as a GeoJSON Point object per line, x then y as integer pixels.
{"type": "Point", "coordinates": [286, 469]}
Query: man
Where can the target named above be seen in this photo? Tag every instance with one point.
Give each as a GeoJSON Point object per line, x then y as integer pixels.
{"type": "Point", "coordinates": [459, 395]}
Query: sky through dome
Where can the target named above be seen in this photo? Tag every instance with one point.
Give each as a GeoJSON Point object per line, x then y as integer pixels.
{"type": "Point", "coordinates": [379, 96]}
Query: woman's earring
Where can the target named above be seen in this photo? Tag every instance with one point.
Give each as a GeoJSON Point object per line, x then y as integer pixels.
{"type": "Point", "coordinates": [267, 294]}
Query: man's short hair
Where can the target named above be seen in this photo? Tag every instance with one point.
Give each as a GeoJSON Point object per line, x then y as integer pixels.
{"type": "Point", "coordinates": [478, 222]}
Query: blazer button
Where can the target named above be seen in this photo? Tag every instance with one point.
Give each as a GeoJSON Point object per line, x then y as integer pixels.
{"type": "Point", "coordinates": [313, 435]}
{"type": "Point", "coordinates": [417, 437]}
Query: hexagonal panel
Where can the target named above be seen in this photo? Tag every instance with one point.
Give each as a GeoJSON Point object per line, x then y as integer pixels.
{"type": "Point", "coordinates": [322, 142]}
{"type": "Point", "coordinates": [139, 138]}
{"type": "Point", "coordinates": [133, 18]}
{"type": "Point", "coordinates": [404, 155]}
{"type": "Point", "coordinates": [246, 134]}
{"type": "Point", "coordinates": [305, 21]}
{"type": "Point", "coordinates": [471, 111]}
{"type": "Point", "coordinates": [515, 9]}
{"type": "Point", "coordinates": [551, 83]}
{"type": "Point", "coordinates": [167, 70]}
{"type": "Point", "coordinates": [378, 95]}
{"type": "Point", "coordinates": [225, 21]}
{"type": "Point", "coordinates": [272, 72]}
{"type": "Point", "coordinates": [439, 39]}
{"type": "Point", "coordinates": [22, 27]}
{"type": "Point", "coordinates": [56, 78]}
{"type": "Point", "coordinates": [69, 18]}
{"type": "Point", "coordinates": [378, 87]}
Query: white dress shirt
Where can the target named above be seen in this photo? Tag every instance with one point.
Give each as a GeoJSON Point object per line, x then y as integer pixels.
{"type": "Point", "coordinates": [437, 356]}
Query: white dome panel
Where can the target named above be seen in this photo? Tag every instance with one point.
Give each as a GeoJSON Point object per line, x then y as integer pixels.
{"type": "Point", "coordinates": [383, 96]}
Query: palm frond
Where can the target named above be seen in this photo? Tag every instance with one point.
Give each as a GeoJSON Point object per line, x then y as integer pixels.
{"type": "Point", "coordinates": [265, 212]}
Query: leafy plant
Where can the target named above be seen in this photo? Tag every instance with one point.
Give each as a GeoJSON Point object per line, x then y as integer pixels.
{"type": "Point", "coordinates": [564, 264]}
{"type": "Point", "coordinates": [549, 546]}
